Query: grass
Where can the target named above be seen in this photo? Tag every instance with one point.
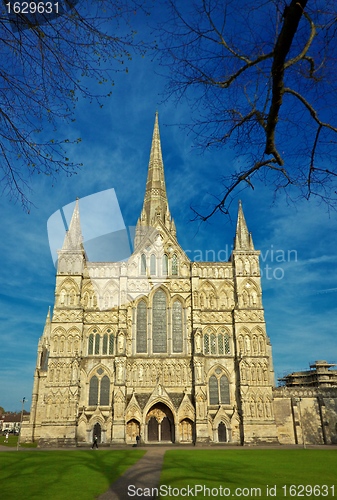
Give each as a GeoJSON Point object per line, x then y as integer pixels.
{"type": "Point", "coordinates": [250, 469]}
{"type": "Point", "coordinates": [13, 440]}
{"type": "Point", "coordinates": [62, 475]}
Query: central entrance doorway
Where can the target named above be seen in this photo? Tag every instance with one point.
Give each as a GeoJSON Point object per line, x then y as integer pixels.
{"type": "Point", "coordinates": [160, 424]}
{"type": "Point", "coordinates": [97, 432]}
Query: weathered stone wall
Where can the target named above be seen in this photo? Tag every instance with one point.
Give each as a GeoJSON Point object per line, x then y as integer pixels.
{"type": "Point", "coordinates": [306, 415]}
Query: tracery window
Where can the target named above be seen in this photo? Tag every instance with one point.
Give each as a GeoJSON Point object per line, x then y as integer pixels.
{"type": "Point", "coordinates": [99, 389]}
{"type": "Point", "coordinates": [165, 265]}
{"type": "Point", "coordinates": [153, 266]}
{"type": "Point", "coordinates": [101, 345]}
{"type": "Point", "coordinates": [177, 327]}
{"type": "Point", "coordinates": [218, 388]}
{"type": "Point", "coordinates": [216, 344]}
{"type": "Point", "coordinates": [174, 265]}
{"type": "Point", "coordinates": [97, 343]}
{"type": "Point", "coordinates": [206, 343]}
{"type": "Point", "coordinates": [159, 322]}
{"type": "Point", "coordinates": [93, 391]}
{"type": "Point", "coordinates": [213, 343]}
{"type": "Point", "coordinates": [141, 336]}
{"type": "Point", "coordinates": [91, 344]}
{"type": "Point", "coordinates": [143, 265]}
{"type": "Point", "coordinates": [105, 390]}
{"type": "Point", "coordinates": [105, 344]}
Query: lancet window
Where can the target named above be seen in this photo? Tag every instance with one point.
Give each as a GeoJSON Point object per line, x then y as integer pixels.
{"type": "Point", "coordinates": [218, 386]}
{"type": "Point", "coordinates": [99, 389]}
{"type": "Point", "coordinates": [101, 344]}
{"type": "Point", "coordinates": [177, 326]}
{"type": "Point", "coordinates": [141, 335]}
{"type": "Point", "coordinates": [159, 322]}
{"type": "Point", "coordinates": [159, 325]}
{"type": "Point", "coordinates": [216, 344]}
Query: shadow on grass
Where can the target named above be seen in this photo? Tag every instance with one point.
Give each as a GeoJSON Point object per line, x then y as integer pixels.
{"type": "Point", "coordinates": [248, 469]}
{"type": "Point", "coordinates": [62, 475]}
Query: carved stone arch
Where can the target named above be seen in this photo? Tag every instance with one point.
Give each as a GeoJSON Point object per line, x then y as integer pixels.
{"type": "Point", "coordinates": [226, 296]}
{"type": "Point", "coordinates": [94, 371]}
{"type": "Point", "coordinates": [133, 411]}
{"type": "Point", "coordinates": [224, 370]}
{"type": "Point", "coordinates": [69, 283]}
{"type": "Point", "coordinates": [221, 416]}
{"type": "Point", "coordinates": [160, 399]}
{"type": "Point", "coordinates": [175, 297]}
{"type": "Point", "coordinates": [139, 298]}
{"type": "Point", "coordinates": [209, 292]}
{"type": "Point", "coordinates": [109, 295]}
{"type": "Point", "coordinates": [249, 294]}
{"type": "Point", "coordinates": [164, 289]}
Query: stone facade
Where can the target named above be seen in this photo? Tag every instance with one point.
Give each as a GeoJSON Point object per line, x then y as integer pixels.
{"type": "Point", "coordinates": [156, 346]}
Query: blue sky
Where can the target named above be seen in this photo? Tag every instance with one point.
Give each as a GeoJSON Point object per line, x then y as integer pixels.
{"type": "Point", "coordinates": [297, 242]}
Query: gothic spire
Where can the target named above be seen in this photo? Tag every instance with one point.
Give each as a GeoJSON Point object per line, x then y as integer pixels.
{"type": "Point", "coordinates": [243, 239]}
{"type": "Point", "coordinates": [73, 237]}
{"type": "Point", "coordinates": [155, 204]}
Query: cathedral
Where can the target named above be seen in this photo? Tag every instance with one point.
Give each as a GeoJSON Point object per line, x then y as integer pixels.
{"type": "Point", "coordinates": [154, 346]}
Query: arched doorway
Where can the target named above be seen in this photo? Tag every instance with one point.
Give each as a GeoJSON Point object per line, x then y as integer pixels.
{"type": "Point", "coordinates": [160, 424]}
{"type": "Point", "coordinates": [186, 430]}
{"type": "Point", "coordinates": [132, 430]}
{"type": "Point", "coordinates": [222, 433]}
{"type": "Point", "coordinates": [97, 432]}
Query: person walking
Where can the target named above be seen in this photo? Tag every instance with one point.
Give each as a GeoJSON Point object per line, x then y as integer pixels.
{"type": "Point", "coordinates": [94, 444]}
{"type": "Point", "coordinates": [6, 437]}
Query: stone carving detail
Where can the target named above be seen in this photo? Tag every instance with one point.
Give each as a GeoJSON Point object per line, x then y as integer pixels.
{"type": "Point", "coordinates": [179, 286]}
{"type": "Point", "coordinates": [258, 406]}
{"type": "Point", "coordinates": [216, 317]}
{"type": "Point", "coordinates": [247, 266]}
{"type": "Point", "coordinates": [67, 316]}
{"type": "Point", "coordinates": [254, 373]}
{"type": "Point", "coordinates": [251, 344]}
{"type": "Point", "coordinates": [120, 370]}
{"type": "Point", "coordinates": [200, 398]}
{"type": "Point", "coordinates": [246, 316]}
{"type": "Point", "coordinates": [101, 317]}
{"type": "Point", "coordinates": [60, 404]}
{"type": "Point", "coordinates": [169, 373]}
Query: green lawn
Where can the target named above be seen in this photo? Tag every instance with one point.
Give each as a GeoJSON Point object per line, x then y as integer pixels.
{"type": "Point", "coordinates": [246, 469]}
{"type": "Point", "coordinates": [62, 475]}
{"type": "Point", "coordinates": [13, 440]}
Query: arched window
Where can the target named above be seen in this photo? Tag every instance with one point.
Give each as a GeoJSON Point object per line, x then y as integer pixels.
{"type": "Point", "coordinates": [177, 327]}
{"type": "Point", "coordinates": [93, 391]}
{"type": "Point", "coordinates": [105, 390]}
{"type": "Point", "coordinates": [165, 265]}
{"type": "Point", "coordinates": [141, 339]}
{"type": "Point", "coordinates": [226, 344]}
{"type": "Point", "coordinates": [153, 266]}
{"type": "Point", "coordinates": [105, 344]}
{"type": "Point", "coordinates": [206, 343]}
{"type": "Point", "coordinates": [213, 391]}
{"type": "Point", "coordinates": [159, 322]}
{"type": "Point", "coordinates": [97, 342]}
{"type": "Point", "coordinates": [174, 265]}
{"type": "Point", "coordinates": [143, 265]}
{"type": "Point", "coordinates": [220, 344]}
{"type": "Point", "coordinates": [111, 342]}
{"type": "Point", "coordinates": [91, 344]}
{"type": "Point", "coordinates": [213, 343]}
{"type": "Point", "coordinates": [224, 390]}
{"type": "Point", "coordinates": [218, 389]}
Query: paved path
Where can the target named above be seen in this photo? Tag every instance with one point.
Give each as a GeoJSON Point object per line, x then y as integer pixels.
{"type": "Point", "coordinates": [144, 474]}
